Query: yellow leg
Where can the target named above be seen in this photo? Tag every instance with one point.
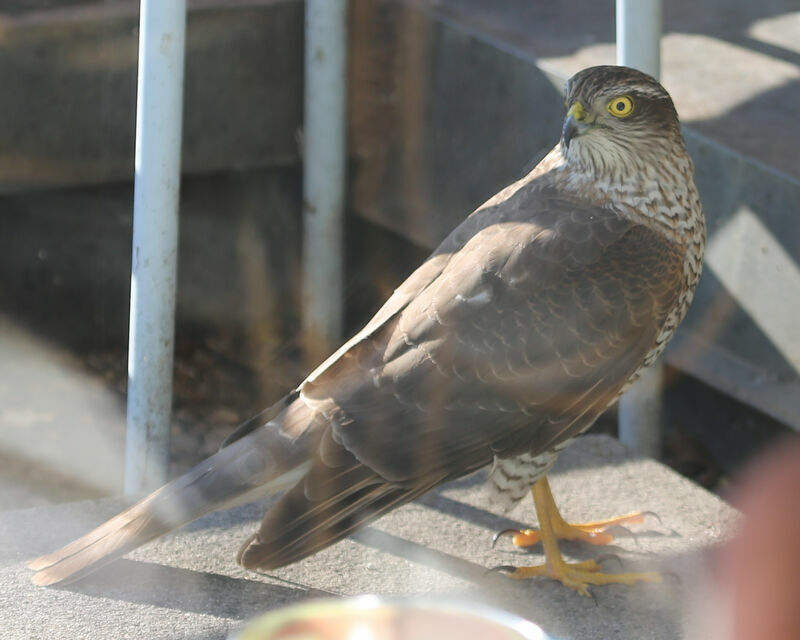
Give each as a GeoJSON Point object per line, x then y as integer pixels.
{"type": "Point", "coordinates": [591, 532]}
{"type": "Point", "coordinates": [577, 576]}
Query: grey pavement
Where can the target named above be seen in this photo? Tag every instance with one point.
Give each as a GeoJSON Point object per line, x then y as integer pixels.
{"type": "Point", "coordinates": [187, 584]}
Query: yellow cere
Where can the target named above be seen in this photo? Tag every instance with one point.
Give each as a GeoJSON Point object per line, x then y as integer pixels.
{"type": "Point", "coordinates": [621, 106]}
{"type": "Point", "coordinates": [576, 111]}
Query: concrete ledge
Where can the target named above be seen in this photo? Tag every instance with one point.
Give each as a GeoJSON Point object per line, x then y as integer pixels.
{"type": "Point", "coordinates": [188, 585]}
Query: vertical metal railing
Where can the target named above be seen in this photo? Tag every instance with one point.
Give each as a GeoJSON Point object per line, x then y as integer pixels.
{"type": "Point", "coordinates": [641, 408]}
{"type": "Point", "coordinates": [639, 35]}
{"type": "Point", "coordinates": [159, 108]}
{"type": "Point", "coordinates": [324, 175]}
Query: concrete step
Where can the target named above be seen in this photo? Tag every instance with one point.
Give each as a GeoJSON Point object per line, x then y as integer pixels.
{"type": "Point", "coordinates": [67, 114]}
{"type": "Point", "coordinates": [188, 585]}
{"type": "Point", "coordinates": [732, 67]}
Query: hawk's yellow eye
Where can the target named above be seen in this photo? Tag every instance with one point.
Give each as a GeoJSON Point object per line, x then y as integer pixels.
{"type": "Point", "coordinates": [620, 106]}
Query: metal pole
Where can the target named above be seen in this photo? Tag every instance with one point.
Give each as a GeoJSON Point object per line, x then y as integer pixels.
{"type": "Point", "coordinates": [159, 110]}
{"type": "Point", "coordinates": [641, 408]}
{"type": "Point", "coordinates": [641, 411]}
{"type": "Point", "coordinates": [639, 35]}
{"type": "Point", "coordinates": [324, 175]}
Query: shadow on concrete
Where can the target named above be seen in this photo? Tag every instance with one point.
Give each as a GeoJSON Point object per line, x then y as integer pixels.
{"type": "Point", "coordinates": [186, 590]}
{"type": "Point", "coordinates": [747, 126]}
{"type": "Point", "coordinates": [420, 554]}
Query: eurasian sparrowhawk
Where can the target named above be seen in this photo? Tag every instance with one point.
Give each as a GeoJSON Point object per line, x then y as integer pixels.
{"type": "Point", "coordinates": [525, 324]}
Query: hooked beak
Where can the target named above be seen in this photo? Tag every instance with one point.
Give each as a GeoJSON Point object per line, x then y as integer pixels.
{"type": "Point", "coordinates": [575, 123]}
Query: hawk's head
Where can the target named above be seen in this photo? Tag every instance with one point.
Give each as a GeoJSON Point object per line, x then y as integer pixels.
{"type": "Point", "coordinates": [616, 113]}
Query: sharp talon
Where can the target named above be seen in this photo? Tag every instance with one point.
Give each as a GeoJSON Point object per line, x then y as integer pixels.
{"type": "Point", "coordinates": [503, 568]}
{"type": "Point", "coordinates": [609, 556]}
{"type": "Point", "coordinates": [619, 527]}
{"type": "Point", "coordinates": [672, 575]}
{"type": "Point", "coordinates": [594, 597]}
{"type": "Point", "coordinates": [654, 514]}
{"type": "Point", "coordinates": [504, 532]}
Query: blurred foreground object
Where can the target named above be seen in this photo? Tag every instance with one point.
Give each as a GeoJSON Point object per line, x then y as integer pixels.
{"type": "Point", "coordinates": [375, 618]}
{"type": "Point", "coordinates": [757, 574]}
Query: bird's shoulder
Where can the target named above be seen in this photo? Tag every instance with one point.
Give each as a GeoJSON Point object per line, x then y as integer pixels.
{"type": "Point", "coordinates": [530, 234]}
{"type": "Point", "coordinates": [528, 239]}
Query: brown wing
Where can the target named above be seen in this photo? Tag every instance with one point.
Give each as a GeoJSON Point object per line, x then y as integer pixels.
{"type": "Point", "coordinates": [538, 311]}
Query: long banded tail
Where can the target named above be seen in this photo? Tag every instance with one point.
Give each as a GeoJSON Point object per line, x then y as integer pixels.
{"type": "Point", "coordinates": [259, 464]}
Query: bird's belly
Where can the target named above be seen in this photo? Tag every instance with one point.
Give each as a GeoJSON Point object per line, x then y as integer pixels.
{"type": "Point", "coordinates": [511, 479]}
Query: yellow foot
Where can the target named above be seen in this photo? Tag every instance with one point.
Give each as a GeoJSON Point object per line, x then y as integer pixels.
{"type": "Point", "coordinates": [580, 575]}
{"type": "Point", "coordinates": [577, 576]}
{"type": "Point", "coordinates": [591, 532]}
